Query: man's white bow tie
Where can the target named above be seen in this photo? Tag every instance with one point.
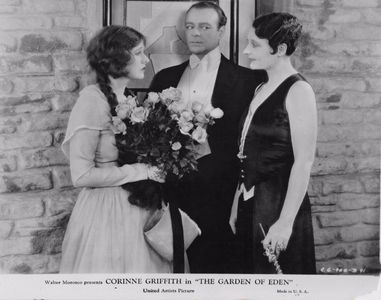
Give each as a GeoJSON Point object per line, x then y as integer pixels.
{"type": "Point", "coordinates": [194, 61]}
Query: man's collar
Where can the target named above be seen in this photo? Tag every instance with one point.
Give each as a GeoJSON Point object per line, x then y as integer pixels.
{"type": "Point", "coordinates": [212, 59]}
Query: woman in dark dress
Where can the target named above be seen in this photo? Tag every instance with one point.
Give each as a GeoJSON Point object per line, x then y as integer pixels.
{"type": "Point", "coordinates": [271, 208]}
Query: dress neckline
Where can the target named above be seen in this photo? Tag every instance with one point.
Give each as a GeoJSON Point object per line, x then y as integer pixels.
{"type": "Point", "coordinates": [279, 85]}
{"type": "Point", "coordinates": [251, 114]}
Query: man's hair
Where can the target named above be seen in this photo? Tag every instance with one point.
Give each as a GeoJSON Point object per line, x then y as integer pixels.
{"type": "Point", "coordinates": [209, 4]}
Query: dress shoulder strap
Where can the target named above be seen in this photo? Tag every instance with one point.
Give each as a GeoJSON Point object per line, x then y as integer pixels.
{"type": "Point", "coordinates": [287, 84]}
{"type": "Point", "coordinates": [291, 80]}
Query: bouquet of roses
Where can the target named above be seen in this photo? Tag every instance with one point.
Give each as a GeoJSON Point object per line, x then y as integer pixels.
{"type": "Point", "coordinates": [162, 131]}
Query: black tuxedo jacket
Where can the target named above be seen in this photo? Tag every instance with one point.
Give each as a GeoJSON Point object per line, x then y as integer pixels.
{"type": "Point", "coordinates": [207, 194]}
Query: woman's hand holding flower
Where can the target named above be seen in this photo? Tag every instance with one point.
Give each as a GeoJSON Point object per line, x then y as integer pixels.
{"type": "Point", "coordinates": [278, 236]}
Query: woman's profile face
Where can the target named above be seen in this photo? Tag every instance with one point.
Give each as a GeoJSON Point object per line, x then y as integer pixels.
{"type": "Point", "coordinates": [259, 52]}
{"type": "Point", "coordinates": [136, 67]}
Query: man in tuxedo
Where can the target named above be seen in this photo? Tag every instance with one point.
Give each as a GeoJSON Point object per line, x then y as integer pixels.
{"type": "Point", "coordinates": [210, 78]}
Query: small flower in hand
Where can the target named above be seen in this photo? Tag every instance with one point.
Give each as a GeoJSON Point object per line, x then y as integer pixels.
{"type": "Point", "coordinates": [269, 252]}
{"type": "Point", "coordinates": [273, 258]}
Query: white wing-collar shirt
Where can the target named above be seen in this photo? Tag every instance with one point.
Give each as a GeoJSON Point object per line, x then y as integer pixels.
{"type": "Point", "coordinates": [198, 80]}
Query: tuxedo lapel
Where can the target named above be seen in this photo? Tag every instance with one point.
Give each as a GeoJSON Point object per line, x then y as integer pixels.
{"type": "Point", "coordinates": [224, 82]}
{"type": "Point", "coordinates": [178, 72]}
{"type": "Point", "coordinates": [168, 77]}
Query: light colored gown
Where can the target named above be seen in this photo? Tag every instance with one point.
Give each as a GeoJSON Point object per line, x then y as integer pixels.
{"type": "Point", "coordinates": [105, 231]}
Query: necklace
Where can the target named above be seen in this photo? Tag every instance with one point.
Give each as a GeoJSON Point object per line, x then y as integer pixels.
{"type": "Point", "coordinates": [247, 123]}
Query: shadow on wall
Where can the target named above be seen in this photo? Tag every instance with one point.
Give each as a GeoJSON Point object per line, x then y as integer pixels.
{"type": "Point", "coordinates": [46, 241]}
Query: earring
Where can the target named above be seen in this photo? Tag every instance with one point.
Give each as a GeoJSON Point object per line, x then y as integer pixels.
{"type": "Point", "coordinates": [282, 48]}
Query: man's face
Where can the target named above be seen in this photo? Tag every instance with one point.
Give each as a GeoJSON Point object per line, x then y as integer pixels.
{"type": "Point", "coordinates": [201, 31]}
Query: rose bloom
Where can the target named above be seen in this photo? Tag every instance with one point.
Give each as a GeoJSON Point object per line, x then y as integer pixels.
{"type": "Point", "coordinates": [177, 107]}
{"type": "Point", "coordinates": [199, 135]}
{"type": "Point", "coordinates": [185, 127]}
{"type": "Point", "coordinates": [197, 107]}
{"type": "Point", "coordinates": [123, 111]}
{"type": "Point", "coordinates": [123, 99]}
{"type": "Point", "coordinates": [174, 116]}
{"type": "Point", "coordinates": [130, 100]}
{"type": "Point", "coordinates": [119, 126]}
{"type": "Point", "coordinates": [176, 146]}
{"type": "Point", "coordinates": [187, 115]}
{"type": "Point", "coordinates": [139, 115]}
{"type": "Point", "coordinates": [201, 118]}
{"type": "Point", "coordinates": [216, 113]}
{"type": "Point", "coordinates": [171, 94]}
{"type": "Point", "coordinates": [125, 107]}
{"type": "Point", "coordinates": [152, 98]}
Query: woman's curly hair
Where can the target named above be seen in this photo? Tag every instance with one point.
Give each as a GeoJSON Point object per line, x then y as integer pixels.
{"type": "Point", "coordinates": [279, 28]}
{"type": "Point", "coordinates": [108, 54]}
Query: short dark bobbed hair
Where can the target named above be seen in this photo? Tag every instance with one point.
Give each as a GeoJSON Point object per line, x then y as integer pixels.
{"type": "Point", "coordinates": [208, 4]}
{"type": "Point", "coordinates": [279, 28]}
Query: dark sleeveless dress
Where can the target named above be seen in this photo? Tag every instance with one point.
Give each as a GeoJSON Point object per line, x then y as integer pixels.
{"type": "Point", "coordinates": [267, 165]}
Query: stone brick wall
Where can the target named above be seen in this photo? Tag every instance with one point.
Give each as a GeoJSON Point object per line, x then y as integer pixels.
{"type": "Point", "coordinates": [341, 57]}
{"type": "Point", "coordinates": [42, 64]}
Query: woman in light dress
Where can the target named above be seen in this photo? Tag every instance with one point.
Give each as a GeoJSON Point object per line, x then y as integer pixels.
{"type": "Point", "coordinates": [105, 231]}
